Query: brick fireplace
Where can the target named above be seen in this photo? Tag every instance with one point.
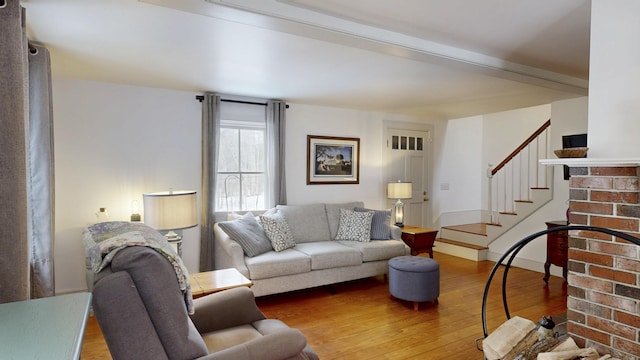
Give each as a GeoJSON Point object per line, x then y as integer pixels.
{"type": "Point", "coordinates": [603, 306]}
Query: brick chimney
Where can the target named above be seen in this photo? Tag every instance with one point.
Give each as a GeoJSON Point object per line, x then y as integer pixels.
{"type": "Point", "coordinates": [603, 306]}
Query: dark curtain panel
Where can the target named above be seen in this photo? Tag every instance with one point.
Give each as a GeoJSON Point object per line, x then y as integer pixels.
{"type": "Point", "coordinates": [14, 242]}
{"type": "Point", "coordinates": [210, 140]}
{"type": "Point", "coordinates": [41, 179]}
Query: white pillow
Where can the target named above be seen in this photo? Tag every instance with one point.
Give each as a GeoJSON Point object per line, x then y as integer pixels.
{"type": "Point", "coordinates": [278, 231]}
{"type": "Point", "coordinates": [354, 225]}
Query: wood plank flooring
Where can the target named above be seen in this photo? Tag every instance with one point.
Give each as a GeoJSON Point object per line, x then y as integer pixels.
{"type": "Point", "coordinates": [359, 320]}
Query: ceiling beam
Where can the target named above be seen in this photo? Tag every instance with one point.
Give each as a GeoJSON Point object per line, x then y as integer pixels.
{"type": "Point", "coordinates": [279, 16]}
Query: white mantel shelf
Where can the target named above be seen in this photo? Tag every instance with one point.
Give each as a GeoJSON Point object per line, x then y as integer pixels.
{"type": "Point", "coordinates": [591, 162]}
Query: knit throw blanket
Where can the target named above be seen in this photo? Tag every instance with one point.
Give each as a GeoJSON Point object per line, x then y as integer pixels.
{"type": "Point", "coordinates": [102, 242]}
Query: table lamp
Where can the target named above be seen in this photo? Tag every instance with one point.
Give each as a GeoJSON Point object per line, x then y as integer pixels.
{"type": "Point", "coordinates": [169, 211]}
{"type": "Point", "coordinates": [399, 190]}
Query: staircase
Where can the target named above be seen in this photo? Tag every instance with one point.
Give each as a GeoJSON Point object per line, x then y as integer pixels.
{"type": "Point", "coordinates": [518, 187]}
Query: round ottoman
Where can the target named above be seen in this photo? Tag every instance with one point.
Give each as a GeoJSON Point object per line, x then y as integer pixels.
{"type": "Point", "coordinates": [414, 278]}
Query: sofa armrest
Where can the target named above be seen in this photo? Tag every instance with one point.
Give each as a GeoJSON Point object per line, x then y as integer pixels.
{"type": "Point", "coordinates": [228, 253]}
{"type": "Point", "coordinates": [284, 344]}
{"type": "Point", "coordinates": [225, 309]}
{"type": "Point", "coordinates": [396, 232]}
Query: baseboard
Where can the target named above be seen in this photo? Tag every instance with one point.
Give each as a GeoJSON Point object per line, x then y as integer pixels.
{"type": "Point", "coordinates": [527, 264]}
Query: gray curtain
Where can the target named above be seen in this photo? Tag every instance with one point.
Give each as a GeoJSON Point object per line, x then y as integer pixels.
{"type": "Point", "coordinates": [41, 179]}
{"type": "Point", "coordinates": [210, 141]}
{"type": "Point", "coordinates": [14, 242]}
{"type": "Point", "coordinates": [276, 124]}
{"type": "Point", "coordinates": [26, 158]}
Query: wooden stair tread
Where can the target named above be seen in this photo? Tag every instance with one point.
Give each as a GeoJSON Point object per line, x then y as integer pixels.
{"type": "Point", "coordinates": [462, 244]}
{"type": "Point", "coordinates": [478, 228]}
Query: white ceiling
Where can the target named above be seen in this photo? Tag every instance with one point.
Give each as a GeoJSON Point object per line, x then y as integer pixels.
{"type": "Point", "coordinates": [432, 58]}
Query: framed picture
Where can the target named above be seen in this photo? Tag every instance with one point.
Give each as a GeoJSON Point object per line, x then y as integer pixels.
{"type": "Point", "coordinates": [333, 160]}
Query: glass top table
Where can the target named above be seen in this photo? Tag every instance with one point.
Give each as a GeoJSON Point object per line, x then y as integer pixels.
{"type": "Point", "coordinates": [46, 328]}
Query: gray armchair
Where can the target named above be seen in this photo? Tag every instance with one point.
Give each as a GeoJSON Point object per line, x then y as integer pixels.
{"type": "Point", "coordinates": [142, 314]}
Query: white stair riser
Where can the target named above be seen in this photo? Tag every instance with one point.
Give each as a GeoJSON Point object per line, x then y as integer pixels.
{"type": "Point", "coordinates": [465, 237]}
{"type": "Point", "coordinates": [460, 251]}
{"type": "Point", "coordinates": [507, 221]}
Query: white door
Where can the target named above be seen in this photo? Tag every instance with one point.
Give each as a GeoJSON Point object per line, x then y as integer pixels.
{"type": "Point", "coordinates": [408, 160]}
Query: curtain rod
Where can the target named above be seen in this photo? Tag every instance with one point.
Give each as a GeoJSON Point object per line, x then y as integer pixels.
{"type": "Point", "coordinates": [201, 97]}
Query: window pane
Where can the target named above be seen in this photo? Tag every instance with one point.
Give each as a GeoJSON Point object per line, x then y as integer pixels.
{"type": "Point", "coordinates": [228, 192]}
{"type": "Point", "coordinates": [252, 151]}
{"type": "Point", "coordinates": [253, 192]}
{"type": "Point", "coordinates": [229, 150]}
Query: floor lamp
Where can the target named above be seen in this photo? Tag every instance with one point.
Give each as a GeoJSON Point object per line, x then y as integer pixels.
{"type": "Point", "coordinates": [169, 211]}
{"type": "Point", "coordinates": [399, 190]}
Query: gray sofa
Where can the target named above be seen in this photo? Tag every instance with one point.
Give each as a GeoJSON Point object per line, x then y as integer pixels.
{"type": "Point", "coordinates": [317, 258]}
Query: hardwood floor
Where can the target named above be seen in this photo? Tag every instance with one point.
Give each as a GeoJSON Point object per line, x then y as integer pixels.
{"type": "Point", "coordinates": [359, 320]}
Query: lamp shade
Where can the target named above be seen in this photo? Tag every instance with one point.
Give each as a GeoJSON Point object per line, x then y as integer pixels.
{"type": "Point", "coordinates": [170, 210]}
{"type": "Point", "coordinates": [399, 190]}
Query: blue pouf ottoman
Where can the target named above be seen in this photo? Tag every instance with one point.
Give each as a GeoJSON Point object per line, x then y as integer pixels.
{"type": "Point", "coordinates": [414, 278]}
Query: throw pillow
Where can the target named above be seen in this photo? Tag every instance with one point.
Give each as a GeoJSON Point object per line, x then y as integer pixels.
{"type": "Point", "coordinates": [278, 231]}
{"type": "Point", "coordinates": [248, 233]}
{"type": "Point", "coordinates": [354, 225]}
{"type": "Point", "coordinates": [380, 229]}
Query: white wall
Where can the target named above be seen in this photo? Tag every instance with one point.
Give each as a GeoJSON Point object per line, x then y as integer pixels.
{"type": "Point", "coordinates": [459, 167]}
{"type": "Point", "coordinates": [303, 120]}
{"type": "Point", "coordinates": [470, 144]}
{"type": "Point", "coordinates": [614, 79]}
{"type": "Point", "coordinates": [567, 117]}
{"type": "Point", "coordinates": [503, 132]}
{"type": "Point", "coordinates": [114, 142]}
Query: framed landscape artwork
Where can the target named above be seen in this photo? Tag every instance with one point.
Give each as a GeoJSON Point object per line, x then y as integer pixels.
{"type": "Point", "coordinates": [333, 160]}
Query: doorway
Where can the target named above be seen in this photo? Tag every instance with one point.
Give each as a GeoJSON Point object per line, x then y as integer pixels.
{"type": "Point", "coordinates": [408, 159]}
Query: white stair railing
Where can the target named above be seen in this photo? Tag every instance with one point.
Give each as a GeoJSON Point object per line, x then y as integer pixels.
{"type": "Point", "coordinates": [512, 180]}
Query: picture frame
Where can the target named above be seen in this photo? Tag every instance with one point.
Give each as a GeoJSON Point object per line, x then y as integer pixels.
{"type": "Point", "coordinates": [333, 160]}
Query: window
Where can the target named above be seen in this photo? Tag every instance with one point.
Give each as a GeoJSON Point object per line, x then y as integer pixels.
{"type": "Point", "coordinates": [242, 180]}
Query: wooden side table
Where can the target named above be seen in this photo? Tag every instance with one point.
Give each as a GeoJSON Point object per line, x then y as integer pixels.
{"type": "Point", "coordinates": [419, 239]}
{"type": "Point", "coordinates": [213, 281]}
{"type": "Point", "coordinates": [557, 249]}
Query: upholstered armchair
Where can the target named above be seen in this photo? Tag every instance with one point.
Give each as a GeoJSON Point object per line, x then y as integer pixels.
{"type": "Point", "coordinates": [143, 315]}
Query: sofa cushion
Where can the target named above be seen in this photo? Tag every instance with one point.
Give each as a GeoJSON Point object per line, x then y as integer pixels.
{"type": "Point", "coordinates": [273, 264]}
{"type": "Point", "coordinates": [354, 225]}
{"type": "Point", "coordinates": [330, 254]}
{"type": "Point", "coordinates": [226, 338]}
{"type": "Point", "coordinates": [333, 214]}
{"type": "Point", "coordinates": [380, 229]}
{"type": "Point", "coordinates": [278, 231]}
{"type": "Point", "coordinates": [308, 223]}
{"type": "Point", "coordinates": [377, 250]}
{"type": "Point", "coordinates": [248, 233]}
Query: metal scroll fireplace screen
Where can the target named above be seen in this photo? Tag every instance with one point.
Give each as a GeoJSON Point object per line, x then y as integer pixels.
{"type": "Point", "coordinates": [515, 249]}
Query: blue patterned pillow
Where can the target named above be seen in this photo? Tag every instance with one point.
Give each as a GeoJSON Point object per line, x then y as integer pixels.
{"type": "Point", "coordinates": [355, 226]}
{"type": "Point", "coordinates": [278, 231]}
{"type": "Point", "coordinates": [248, 233]}
{"type": "Point", "coordinates": [380, 229]}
